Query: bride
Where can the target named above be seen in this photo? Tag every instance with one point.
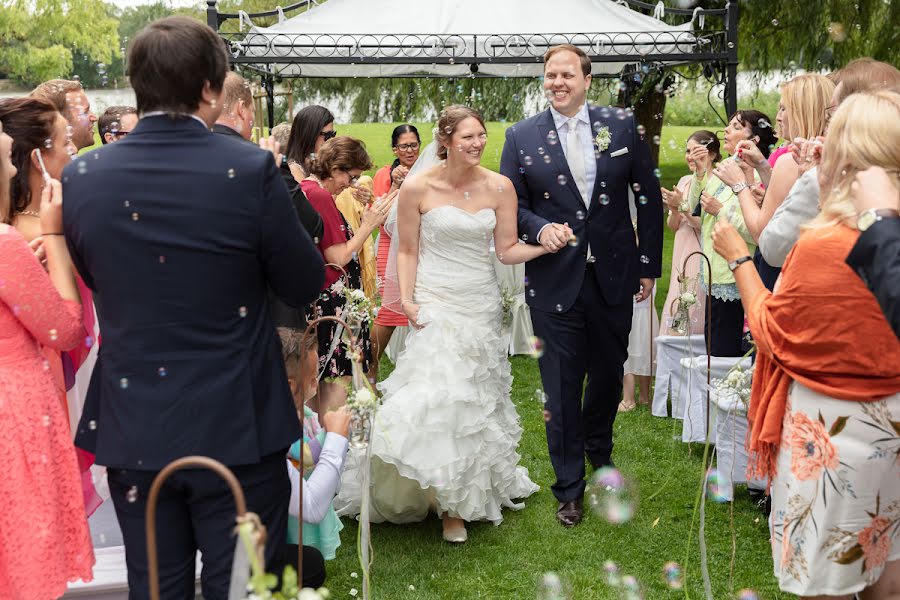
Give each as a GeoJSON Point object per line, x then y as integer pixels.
{"type": "Point", "coordinates": [447, 434]}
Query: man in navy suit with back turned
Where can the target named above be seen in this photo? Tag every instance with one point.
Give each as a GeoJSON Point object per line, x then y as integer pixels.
{"type": "Point", "coordinates": [179, 232]}
{"type": "Point", "coordinates": [580, 295]}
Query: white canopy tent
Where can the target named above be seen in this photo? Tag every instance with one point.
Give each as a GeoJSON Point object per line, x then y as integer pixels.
{"type": "Point", "coordinates": [502, 37]}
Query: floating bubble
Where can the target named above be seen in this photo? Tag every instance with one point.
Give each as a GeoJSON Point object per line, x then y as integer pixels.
{"type": "Point", "coordinates": [645, 259]}
{"type": "Point", "coordinates": [541, 150]}
{"type": "Point", "coordinates": [92, 425]}
{"type": "Point", "coordinates": [46, 420]}
{"type": "Point", "coordinates": [604, 112]}
{"type": "Point", "coordinates": [547, 416]}
{"type": "Point", "coordinates": [621, 114]}
{"type": "Point", "coordinates": [642, 200]}
{"type": "Point", "coordinates": [48, 143]}
{"type": "Point", "coordinates": [763, 123]}
{"type": "Point", "coordinates": [559, 308]}
{"type": "Point", "coordinates": [552, 138]}
{"type": "Point", "coordinates": [604, 199]}
{"type": "Point", "coordinates": [528, 161]}
{"type": "Point", "coordinates": [521, 169]}
{"type": "Point", "coordinates": [540, 396]}
{"type": "Point", "coordinates": [631, 588]}
{"type": "Point", "coordinates": [162, 372]}
{"type": "Point", "coordinates": [135, 216]}
{"type": "Point", "coordinates": [602, 184]}
{"type": "Point", "coordinates": [673, 576]}
{"type": "Point", "coordinates": [88, 341]}
{"type": "Point", "coordinates": [546, 195]}
{"type": "Point", "coordinates": [101, 68]}
{"type": "Point", "coordinates": [551, 587]}
{"type": "Point", "coordinates": [657, 173]}
{"type": "Point", "coordinates": [242, 311]}
{"type": "Point", "coordinates": [747, 594]}
{"type": "Point", "coordinates": [611, 496]}
{"type": "Point", "coordinates": [636, 187]}
{"type": "Point", "coordinates": [579, 214]}
{"type": "Point", "coordinates": [561, 179]}
{"type": "Point", "coordinates": [230, 173]}
{"type": "Point", "coordinates": [573, 241]}
{"type": "Point", "coordinates": [774, 22]}
{"type": "Point", "coordinates": [161, 259]}
{"type": "Point", "coordinates": [547, 158]}
{"type": "Point", "coordinates": [531, 293]}
{"type": "Point", "coordinates": [132, 494]}
{"type": "Point", "coordinates": [611, 574]}
{"type": "Point", "coordinates": [641, 130]}
{"type": "Point", "coordinates": [53, 334]}
{"type": "Point", "coordinates": [123, 383]}
{"type": "Point", "coordinates": [535, 345]}
{"type": "Point", "coordinates": [82, 167]}
{"type": "Point", "coordinates": [656, 140]}
{"type": "Point", "coordinates": [715, 486]}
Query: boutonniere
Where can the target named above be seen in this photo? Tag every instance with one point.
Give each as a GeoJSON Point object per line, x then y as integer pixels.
{"type": "Point", "coordinates": [602, 139]}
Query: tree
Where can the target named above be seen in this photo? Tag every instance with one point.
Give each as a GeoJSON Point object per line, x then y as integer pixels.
{"type": "Point", "coordinates": [39, 38]}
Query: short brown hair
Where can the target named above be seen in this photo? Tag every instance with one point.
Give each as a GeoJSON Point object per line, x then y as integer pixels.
{"type": "Point", "coordinates": [170, 61]}
{"type": "Point", "coordinates": [109, 120]}
{"type": "Point", "coordinates": [343, 153]}
{"type": "Point", "coordinates": [866, 74]}
{"type": "Point", "coordinates": [29, 122]}
{"type": "Point", "coordinates": [235, 89]}
{"type": "Point", "coordinates": [55, 91]}
{"type": "Point", "coordinates": [449, 120]}
{"type": "Point", "coordinates": [582, 56]}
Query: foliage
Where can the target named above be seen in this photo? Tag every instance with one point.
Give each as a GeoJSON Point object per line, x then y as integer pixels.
{"type": "Point", "coordinates": [40, 38]}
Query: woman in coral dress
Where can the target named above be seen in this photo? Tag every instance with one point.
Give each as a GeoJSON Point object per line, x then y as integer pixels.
{"type": "Point", "coordinates": [44, 538]}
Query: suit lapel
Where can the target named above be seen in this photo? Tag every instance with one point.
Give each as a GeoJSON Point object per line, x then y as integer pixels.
{"type": "Point", "coordinates": [545, 126]}
{"type": "Point", "coordinates": [600, 158]}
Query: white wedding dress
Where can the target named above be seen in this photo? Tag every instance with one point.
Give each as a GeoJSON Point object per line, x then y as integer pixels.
{"type": "Point", "coordinates": [447, 434]}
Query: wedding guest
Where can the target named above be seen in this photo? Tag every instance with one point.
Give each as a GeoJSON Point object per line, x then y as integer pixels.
{"type": "Point", "coordinates": [282, 133]}
{"type": "Point", "coordinates": [237, 108]}
{"type": "Point", "coordinates": [321, 526]}
{"type": "Point", "coordinates": [641, 363]}
{"type": "Point", "coordinates": [43, 528]}
{"type": "Point", "coordinates": [825, 396]}
{"type": "Point", "coordinates": [876, 254]}
{"type": "Point", "coordinates": [352, 203]}
{"type": "Point", "coordinates": [116, 122]}
{"type": "Point", "coordinates": [802, 113]}
{"type": "Point", "coordinates": [405, 143]}
{"type": "Point", "coordinates": [337, 166]}
{"type": "Point", "coordinates": [70, 100]}
{"type": "Point", "coordinates": [687, 240]}
{"type": "Point", "coordinates": [802, 203]}
{"type": "Point", "coordinates": [312, 127]}
{"type": "Point", "coordinates": [725, 317]}
{"type": "Point", "coordinates": [182, 232]}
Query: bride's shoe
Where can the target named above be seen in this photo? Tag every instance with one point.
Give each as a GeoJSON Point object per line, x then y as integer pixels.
{"type": "Point", "coordinates": [454, 530]}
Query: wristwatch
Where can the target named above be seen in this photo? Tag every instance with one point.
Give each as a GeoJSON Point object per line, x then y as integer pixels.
{"type": "Point", "coordinates": [867, 218]}
{"type": "Point", "coordinates": [734, 264]}
{"type": "Point", "coordinates": [738, 187]}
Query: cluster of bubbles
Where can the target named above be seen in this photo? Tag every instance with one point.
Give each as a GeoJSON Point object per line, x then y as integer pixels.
{"type": "Point", "coordinates": [627, 586]}
{"type": "Point", "coordinates": [611, 496]}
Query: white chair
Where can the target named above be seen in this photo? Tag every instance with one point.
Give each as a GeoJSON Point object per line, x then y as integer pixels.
{"type": "Point", "coordinates": [695, 413]}
{"type": "Point", "coordinates": [671, 376]}
{"type": "Point", "coordinates": [731, 443]}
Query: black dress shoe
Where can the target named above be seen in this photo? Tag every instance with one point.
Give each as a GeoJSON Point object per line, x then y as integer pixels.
{"type": "Point", "coordinates": [599, 464]}
{"type": "Point", "coordinates": [569, 513]}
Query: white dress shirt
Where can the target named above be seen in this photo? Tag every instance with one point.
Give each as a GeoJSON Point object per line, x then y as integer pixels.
{"type": "Point", "coordinates": [323, 485]}
{"type": "Point", "coordinates": [586, 135]}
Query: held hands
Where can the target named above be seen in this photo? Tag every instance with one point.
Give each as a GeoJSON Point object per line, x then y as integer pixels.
{"type": "Point", "coordinates": [873, 188]}
{"type": "Point", "coordinates": [337, 421]}
{"type": "Point", "coordinates": [728, 242]}
{"type": "Point", "coordinates": [269, 144]}
{"type": "Point", "coordinates": [555, 236]}
{"type": "Point", "coordinates": [710, 204]}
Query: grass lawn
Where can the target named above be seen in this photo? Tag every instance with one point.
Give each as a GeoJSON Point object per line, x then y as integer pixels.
{"type": "Point", "coordinates": [506, 562]}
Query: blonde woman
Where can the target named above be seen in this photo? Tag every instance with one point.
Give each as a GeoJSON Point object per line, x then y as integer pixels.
{"type": "Point", "coordinates": [826, 389]}
{"type": "Point", "coordinates": [802, 113]}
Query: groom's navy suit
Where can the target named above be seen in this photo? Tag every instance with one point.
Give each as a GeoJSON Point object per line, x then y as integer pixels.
{"type": "Point", "coordinates": [582, 310]}
{"type": "Point", "coordinates": [179, 233]}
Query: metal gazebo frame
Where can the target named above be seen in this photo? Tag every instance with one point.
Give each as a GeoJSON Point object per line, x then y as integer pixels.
{"type": "Point", "coordinates": [717, 47]}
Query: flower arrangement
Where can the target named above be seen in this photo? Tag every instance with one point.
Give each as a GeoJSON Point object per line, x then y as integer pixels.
{"type": "Point", "coordinates": [363, 403]}
{"type": "Point", "coordinates": [737, 383]}
{"type": "Point", "coordinates": [602, 139]}
{"type": "Point", "coordinates": [507, 300]}
{"type": "Point", "coordinates": [357, 310]}
{"type": "Point", "coordinates": [687, 298]}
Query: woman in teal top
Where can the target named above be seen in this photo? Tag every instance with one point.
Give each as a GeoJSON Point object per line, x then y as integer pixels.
{"type": "Point", "coordinates": [324, 535]}
{"type": "Point", "coordinates": [711, 199]}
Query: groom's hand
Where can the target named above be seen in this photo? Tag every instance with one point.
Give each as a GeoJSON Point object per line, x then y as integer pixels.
{"type": "Point", "coordinates": [646, 287]}
{"type": "Point", "coordinates": [554, 237]}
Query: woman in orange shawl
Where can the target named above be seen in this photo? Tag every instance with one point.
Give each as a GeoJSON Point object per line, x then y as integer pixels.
{"type": "Point", "coordinates": [825, 407]}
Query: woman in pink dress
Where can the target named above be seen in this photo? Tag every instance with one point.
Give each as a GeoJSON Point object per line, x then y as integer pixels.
{"type": "Point", "coordinates": [687, 240]}
{"type": "Point", "coordinates": [44, 538]}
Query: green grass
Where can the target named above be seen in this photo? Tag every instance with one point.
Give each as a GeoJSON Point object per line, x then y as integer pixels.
{"type": "Point", "coordinates": [506, 562]}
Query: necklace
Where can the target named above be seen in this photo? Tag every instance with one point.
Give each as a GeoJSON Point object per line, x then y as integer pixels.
{"type": "Point", "coordinates": [30, 213]}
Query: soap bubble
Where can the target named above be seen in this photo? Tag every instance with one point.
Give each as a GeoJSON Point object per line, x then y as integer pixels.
{"type": "Point", "coordinates": [552, 138]}
{"type": "Point", "coordinates": [528, 161]}
{"type": "Point", "coordinates": [641, 130]}
{"type": "Point", "coordinates": [53, 334]}
{"type": "Point", "coordinates": [135, 216]}
{"type": "Point", "coordinates": [604, 199]}
{"type": "Point", "coordinates": [573, 241]}
{"type": "Point", "coordinates": [535, 345]}
{"type": "Point", "coordinates": [551, 587]}
{"type": "Point", "coordinates": [547, 159]}
{"type": "Point", "coordinates": [774, 22]}
{"type": "Point", "coordinates": [48, 143]}
{"type": "Point", "coordinates": [611, 496]}
{"type": "Point", "coordinates": [657, 173]}
{"type": "Point", "coordinates": [747, 594]}
{"type": "Point", "coordinates": [559, 308]}
{"type": "Point", "coordinates": [162, 372]}
{"type": "Point", "coordinates": [611, 574]}
{"type": "Point", "coordinates": [546, 195]}
{"type": "Point", "coordinates": [242, 311]}
{"type": "Point", "coordinates": [604, 112]}
{"type": "Point", "coordinates": [230, 173]}
{"type": "Point", "coordinates": [92, 425]}
{"type": "Point", "coordinates": [636, 187]}
{"type": "Point", "coordinates": [579, 214]}
{"type": "Point", "coordinates": [673, 576]}
{"type": "Point", "coordinates": [656, 140]}
{"type": "Point", "coordinates": [715, 486]}
{"type": "Point", "coordinates": [101, 68]}
{"type": "Point", "coordinates": [642, 200]}
{"type": "Point", "coordinates": [561, 179]}
{"type": "Point", "coordinates": [123, 383]}
{"type": "Point", "coordinates": [645, 259]}
{"type": "Point", "coordinates": [540, 396]}
{"type": "Point", "coordinates": [132, 494]}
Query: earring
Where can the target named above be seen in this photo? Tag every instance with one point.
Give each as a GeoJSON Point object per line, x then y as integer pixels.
{"type": "Point", "coordinates": [212, 103]}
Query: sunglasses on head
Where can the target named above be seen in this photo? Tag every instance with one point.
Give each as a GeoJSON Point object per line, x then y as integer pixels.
{"type": "Point", "coordinates": [327, 135]}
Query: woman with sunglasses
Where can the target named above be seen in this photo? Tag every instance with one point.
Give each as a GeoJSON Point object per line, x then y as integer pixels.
{"type": "Point", "coordinates": [338, 165]}
{"type": "Point", "coordinates": [406, 143]}
{"type": "Point", "coordinates": [312, 127]}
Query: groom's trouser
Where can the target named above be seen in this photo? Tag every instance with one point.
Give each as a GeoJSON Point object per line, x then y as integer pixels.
{"type": "Point", "coordinates": [196, 511]}
{"type": "Point", "coordinates": [591, 338]}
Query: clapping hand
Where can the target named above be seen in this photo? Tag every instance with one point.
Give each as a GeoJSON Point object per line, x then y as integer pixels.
{"type": "Point", "coordinates": [269, 144]}
{"type": "Point", "coordinates": [710, 204]}
{"type": "Point", "coordinates": [673, 198]}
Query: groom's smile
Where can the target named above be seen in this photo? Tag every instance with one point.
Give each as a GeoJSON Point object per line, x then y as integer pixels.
{"type": "Point", "coordinates": [565, 83]}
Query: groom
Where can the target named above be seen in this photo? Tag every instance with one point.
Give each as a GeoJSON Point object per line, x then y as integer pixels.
{"type": "Point", "coordinates": [572, 166]}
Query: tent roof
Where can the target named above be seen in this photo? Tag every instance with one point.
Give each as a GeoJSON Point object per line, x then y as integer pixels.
{"type": "Point", "coordinates": [390, 38]}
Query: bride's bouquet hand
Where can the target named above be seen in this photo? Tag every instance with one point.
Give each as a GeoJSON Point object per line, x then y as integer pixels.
{"type": "Point", "coordinates": [411, 310]}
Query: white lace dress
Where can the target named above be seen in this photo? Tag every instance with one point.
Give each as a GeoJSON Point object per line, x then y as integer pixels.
{"type": "Point", "coordinates": [447, 434]}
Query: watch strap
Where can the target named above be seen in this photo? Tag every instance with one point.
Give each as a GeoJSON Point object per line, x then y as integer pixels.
{"type": "Point", "coordinates": [734, 264]}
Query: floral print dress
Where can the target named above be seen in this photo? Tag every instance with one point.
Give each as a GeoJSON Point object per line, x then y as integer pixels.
{"type": "Point", "coordinates": [836, 496]}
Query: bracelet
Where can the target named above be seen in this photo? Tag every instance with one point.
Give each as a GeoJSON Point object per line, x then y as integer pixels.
{"type": "Point", "coordinates": [52, 233]}
{"type": "Point", "coordinates": [402, 302]}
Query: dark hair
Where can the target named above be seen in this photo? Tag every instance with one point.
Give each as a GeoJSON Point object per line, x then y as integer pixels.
{"type": "Point", "coordinates": [170, 61]}
{"type": "Point", "coordinates": [305, 130]}
{"type": "Point", "coordinates": [710, 140]}
{"type": "Point", "coordinates": [400, 130]}
{"type": "Point", "coordinates": [583, 58]}
{"type": "Point", "coordinates": [343, 153]}
{"type": "Point", "coordinates": [760, 126]}
{"type": "Point", "coordinates": [28, 121]}
{"type": "Point", "coordinates": [448, 121]}
{"type": "Point", "coordinates": [109, 120]}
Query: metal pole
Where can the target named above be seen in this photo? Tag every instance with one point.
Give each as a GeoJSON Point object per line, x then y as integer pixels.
{"type": "Point", "coordinates": [269, 85]}
{"type": "Point", "coordinates": [212, 14]}
{"type": "Point", "coordinates": [731, 35]}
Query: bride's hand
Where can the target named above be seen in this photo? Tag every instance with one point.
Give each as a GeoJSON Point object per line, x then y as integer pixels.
{"type": "Point", "coordinates": [411, 310]}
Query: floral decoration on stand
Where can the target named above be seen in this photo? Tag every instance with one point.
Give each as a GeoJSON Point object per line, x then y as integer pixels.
{"type": "Point", "coordinates": [363, 404]}
{"type": "Point", "coordinates": [737, 383]}
{"type": "Point", "coordinates": [687, 298]}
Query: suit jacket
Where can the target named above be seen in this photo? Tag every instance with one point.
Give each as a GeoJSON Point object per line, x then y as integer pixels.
{"type": "Point", "coordinates": [876, 258]}
{"type": "Point", "coordinates": [190, 362]}
{"type": "Point", "coordinates": [556, 279]}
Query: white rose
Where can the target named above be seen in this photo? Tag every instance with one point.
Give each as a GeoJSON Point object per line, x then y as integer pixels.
{"type": "Point", "coordinates": [358, 295]}
{"type": "Point", "coordinates": [363, 396]}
